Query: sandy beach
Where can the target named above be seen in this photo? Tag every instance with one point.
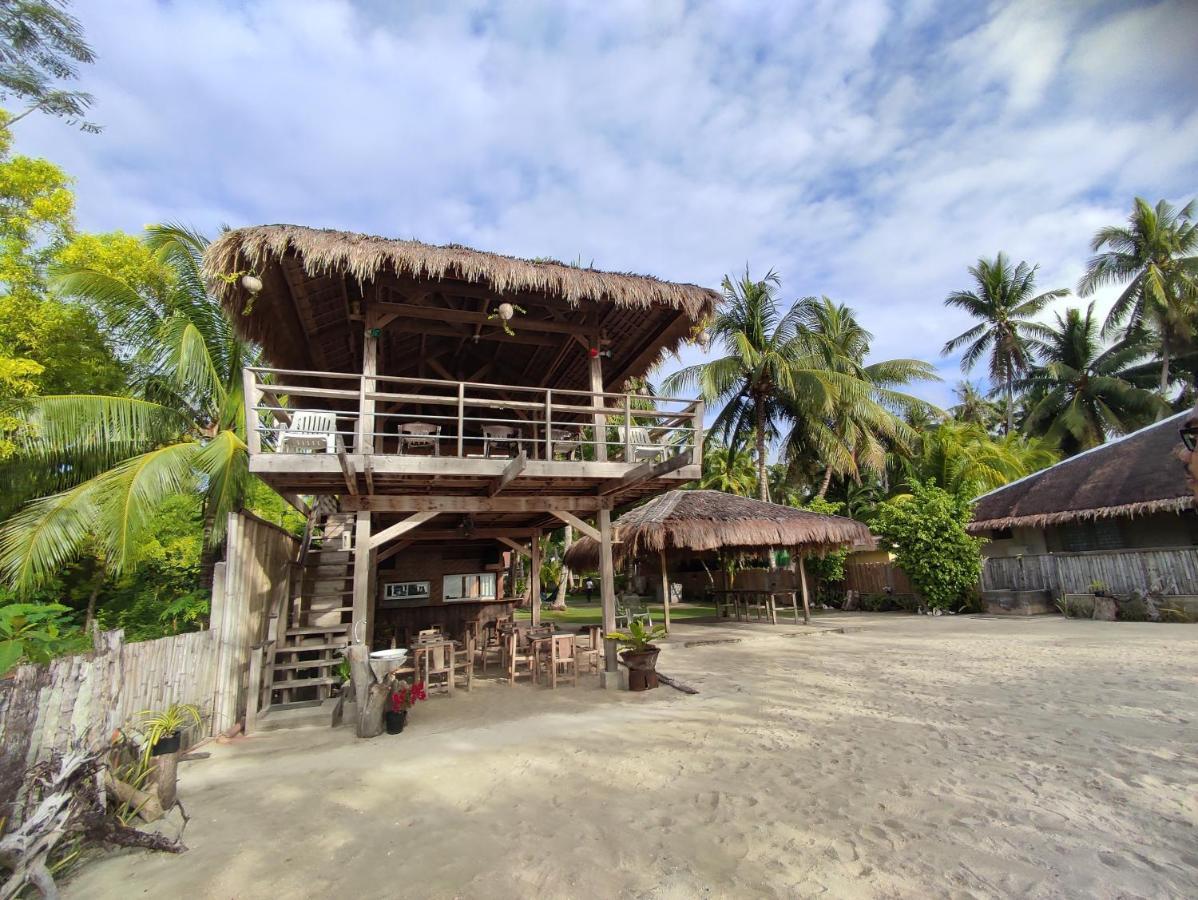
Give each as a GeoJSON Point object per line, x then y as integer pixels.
{"type": "Point", "coordinates": [916, 757]}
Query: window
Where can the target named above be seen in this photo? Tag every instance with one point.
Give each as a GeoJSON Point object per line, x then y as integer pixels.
{"type": "Point", "coordinates": [397, 592]}
{"type": "Point", "coordinates": [468, 587]}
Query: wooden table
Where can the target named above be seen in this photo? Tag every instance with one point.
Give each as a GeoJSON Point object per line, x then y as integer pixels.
{"type": "Point", "coordinates": [738, 599]}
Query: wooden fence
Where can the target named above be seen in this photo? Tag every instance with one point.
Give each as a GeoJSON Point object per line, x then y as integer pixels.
{"type": "Point", "coordinates": [1171, 571]}
{"type": "Point", "coordinates": [877, 578]}
{"type": "Point", "coordinates": [80, 700]}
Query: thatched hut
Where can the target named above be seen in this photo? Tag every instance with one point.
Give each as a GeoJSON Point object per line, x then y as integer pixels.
{"type": "Point", "coordinates": [686, 525]}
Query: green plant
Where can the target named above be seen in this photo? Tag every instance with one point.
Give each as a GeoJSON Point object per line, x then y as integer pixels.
{"type": "Point", "coordinates": [35, 632]}
{"type": "Point", "coordinates": [926, 531]}
{"type": "Point", "coordinates": [155, 725]}
{"type": "Point", "coordinates": [1097, 586]}
{"type": "Point", "coordinates": [638, 637]}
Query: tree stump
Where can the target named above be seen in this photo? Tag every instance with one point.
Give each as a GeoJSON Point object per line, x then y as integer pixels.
{"type": "Point", "coordinates": [166, 778]}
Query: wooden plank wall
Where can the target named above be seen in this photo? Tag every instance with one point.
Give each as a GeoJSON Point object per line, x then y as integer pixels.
{"type": "Point", "coordinates": [876, 578]}
{"type": "Point", "coordinates": [1170, 571]}
{"type": "Point", "coordinates": [252, 580]}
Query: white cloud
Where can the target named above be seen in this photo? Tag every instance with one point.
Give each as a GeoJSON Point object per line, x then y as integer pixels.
{"type": "Point", "coordinates": [868, 150]}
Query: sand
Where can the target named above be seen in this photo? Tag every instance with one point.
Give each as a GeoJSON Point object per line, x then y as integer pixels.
{"type": "Point", "coordinates": [918, 757]}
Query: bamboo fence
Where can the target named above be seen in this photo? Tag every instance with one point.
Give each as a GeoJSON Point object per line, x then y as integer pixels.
{"type": "Point", "coordinates": [1171, 571]}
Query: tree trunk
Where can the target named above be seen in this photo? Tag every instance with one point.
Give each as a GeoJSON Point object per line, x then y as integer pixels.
{"type": "Point", "coordinates": [563, 582]}
{"type": "Point", "coordinates": [91, 604]}
{"type": "Point", "coordinates": [763, 486]}
{"type": "Point", "coordinates": [1010, 404]}
{"type": "Point", "coordinates": [1164, 365]}
{"type": "Point", "coordinates": [827, 482]}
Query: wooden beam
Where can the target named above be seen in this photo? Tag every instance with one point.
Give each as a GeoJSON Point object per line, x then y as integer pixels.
{"type": "Point", "coordinates": [534, 588]}
{"type": "Point", "coordinates": [361, 628]}
{"type": "Point", "coordinates": [665, 589]}
{"type": "Point", "coordinates": [368, 471]}
{"type": "Point", "coordinates": [645, 472]}
{"type": "Point", "coordinates": [421, 503]}
{"type": "Point", "coordinates": [607, 597]}
{"type": "Point", "coordinates": [445, 314]}
{"type": "Point", "coordinates": [511, 472]}
{"type": "Point", "coordinates": [347, 469]}
{"type": "Point", "coordinates": [519, 548]}
{"type": "Point", "coordinates": [393, 531]}
{"type": "Point", "coordinates": [599, 421]}
{"type": "Point", "coordinates": [582, 526]}
{"type": "Point", "coordinates": [397, 547]}
{"type": "Point", "coordinates": [496, 334]}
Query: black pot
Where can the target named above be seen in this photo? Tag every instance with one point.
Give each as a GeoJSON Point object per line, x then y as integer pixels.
{"type": "Point", "coordinates": [396, 721]}
{"type": "Point", "coordinates": [168, 743]}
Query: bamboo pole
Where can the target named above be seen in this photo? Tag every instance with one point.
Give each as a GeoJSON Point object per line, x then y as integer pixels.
{"type": "Point", "coordinates": [803, 585]}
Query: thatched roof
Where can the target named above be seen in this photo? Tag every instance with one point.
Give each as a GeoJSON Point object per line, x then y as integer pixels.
{"type": "Point", "coordinates": [699, 521]}
{"type": "Point", "coordinates": [318, 283]}
{"type": "Point", "coordinates": [1133, 475]}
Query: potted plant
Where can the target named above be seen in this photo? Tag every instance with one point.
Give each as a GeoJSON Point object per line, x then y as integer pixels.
{"type": "Point", "coordinates": [1098, 588]}
{"type": "Point", "coordinates": [401, 700]}
{"type": "Point", "coordinates": [641, 654]}
{"type": "Point", "coordinates": [162, 729]}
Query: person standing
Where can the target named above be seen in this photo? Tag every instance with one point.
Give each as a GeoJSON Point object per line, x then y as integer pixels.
{"type": "Point", "coordinates": [589, 585]}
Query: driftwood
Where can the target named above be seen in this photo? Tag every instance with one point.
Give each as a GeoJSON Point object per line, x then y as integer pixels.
{"type": "Point", "coordinates": [371, 695]}
{"type": "Point", "coordinates": [67, 798]}
{"type": "Point", "coordinates": [676, 685]}
{"type": "Point", "coordinates": [146, 805]}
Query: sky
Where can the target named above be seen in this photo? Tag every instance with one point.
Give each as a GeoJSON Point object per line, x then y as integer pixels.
{"type": "Point", "coordinates": [866, 150]}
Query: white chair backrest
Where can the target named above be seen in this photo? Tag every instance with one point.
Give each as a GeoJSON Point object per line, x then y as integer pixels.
{"type": "Point", "coordinates": [313, 422]}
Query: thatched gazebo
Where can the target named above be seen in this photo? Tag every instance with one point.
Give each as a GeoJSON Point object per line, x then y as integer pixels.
{"type": "Point", "coordinates": [712, 522]}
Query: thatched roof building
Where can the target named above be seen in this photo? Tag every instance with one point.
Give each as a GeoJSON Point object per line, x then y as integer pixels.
{"type": "Point", "coordinates": [1134, 475]}
{"type": "Point", "coordinates": [441, 303]}
{"type": "Point", "coordinates": [707, 521]}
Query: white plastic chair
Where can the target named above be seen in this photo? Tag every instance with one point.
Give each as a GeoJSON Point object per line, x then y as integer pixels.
{"type": "Point", "coordinates": [310, 431]}
{"type": "Point", "coordinates": [642, 447]}
{"type": "Point", "coordinates": [420, 435]}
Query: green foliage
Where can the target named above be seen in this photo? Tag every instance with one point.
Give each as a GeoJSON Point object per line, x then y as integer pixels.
{"type": "Point", "coordinates": [34, 632]}
{"type": "Point", "coordinates": [638, 637]}
{"type": "Point", "coordinates": [728, 470]}
{"type": "Point", "coordinates": [926, 531]}
{"type": "Point", "coordinates": [41, 47]}
{"type": "Point", "coordinates": [966, 460]}
{"type": "Point", "coordinates": [827, 569]}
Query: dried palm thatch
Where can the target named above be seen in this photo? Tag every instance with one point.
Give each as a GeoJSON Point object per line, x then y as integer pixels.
{"type": "Point", "coordinates": [1133, 476]}
{"type": "Point", "coordinates": [364, 257]}
{"type": "Point", "coordinates": [700, 521]}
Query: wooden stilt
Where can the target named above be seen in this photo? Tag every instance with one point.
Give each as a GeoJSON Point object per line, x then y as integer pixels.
{"type": "Point", "coordinates": [665, 590]}
{"type": "Point", "coordinates": [534, 578]}
{"type": "Point", "coordinates": [803, 587]}
{"type": "Point", "coordinates": [607, 595]}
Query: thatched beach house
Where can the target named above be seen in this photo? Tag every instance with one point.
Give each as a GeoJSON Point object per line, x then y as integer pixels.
{"type": "Point", "coordinates": [1119, 517]}
{"type": "Point", "coordinates": [442, 406]}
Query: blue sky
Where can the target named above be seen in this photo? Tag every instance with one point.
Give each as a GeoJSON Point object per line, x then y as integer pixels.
{"type": "Point", "coordinates": [867, 150]}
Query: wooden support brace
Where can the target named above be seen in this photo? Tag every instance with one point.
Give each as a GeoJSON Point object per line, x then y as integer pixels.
{"type": "Point", "coordinates": [393, 531]}
{"type": "Point", "coordinates": [519, 548]}
{"type": "Point", "coordinates": [571, 519]}
{"type": "Point", "coordinates": [347, 469]}
{"type": "Point", "coordinates": [397, 547]}
{"type": "Point", "coordinates": [645, 472]}
{"type": "Point", "coordinates": [510, 473]}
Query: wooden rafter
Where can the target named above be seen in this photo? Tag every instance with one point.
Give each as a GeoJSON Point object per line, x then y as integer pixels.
{"type": "Point", "coordinates": [393, 531]}
{"type": "Point", "coordinates": [571, 519]}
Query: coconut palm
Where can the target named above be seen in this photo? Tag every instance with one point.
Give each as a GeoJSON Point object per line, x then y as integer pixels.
{"type": "Point", "coordinates": [973, 406]}
{"type": "Point", "coordinates": [1079, 393]}
{"type": "Point", "coordinates": [1156, 255]}
{"type": "Point", "coordinates": [728, 470]}
{"type": "Point", "coordinates": [865, 420]}
{"type": "Point", "coordinates": [966, 460]}
{"type": "Point", "coordinates": [766, 357]}
{"type": "Point", "coordinates": [179, 429]}
{"type": "Point", "coordinates": [1004, 300]}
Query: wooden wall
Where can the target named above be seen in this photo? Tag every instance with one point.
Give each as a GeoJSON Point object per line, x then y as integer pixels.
{"type": "Point", "coordinates": [1170, 571]}
{"type": "Point", "coordinates": [876, 578]}
{"type": "Point", "coordinates": [430, 562]}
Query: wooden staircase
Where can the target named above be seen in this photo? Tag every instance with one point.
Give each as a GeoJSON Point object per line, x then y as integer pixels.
{"type": "Point", "coordinates": [318, 616]}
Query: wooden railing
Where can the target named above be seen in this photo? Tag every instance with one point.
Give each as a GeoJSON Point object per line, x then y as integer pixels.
{"type": "Point", "coordinates": [292, 411]}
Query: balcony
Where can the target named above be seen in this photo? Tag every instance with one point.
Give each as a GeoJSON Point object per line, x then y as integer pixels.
{"type": "Point", "coordinates": [337, 433]}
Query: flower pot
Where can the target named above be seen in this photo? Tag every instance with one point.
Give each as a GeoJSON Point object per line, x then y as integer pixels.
{"type": "Point", "coordinates": [641, 660]}
{"type": "Point", "coordinates": [396, 721]}
{"type": "Point", "coordinates": [168, 743]}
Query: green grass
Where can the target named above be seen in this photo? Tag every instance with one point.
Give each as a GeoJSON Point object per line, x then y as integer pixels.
{"type": "Point", "coordinates": [579, 612]}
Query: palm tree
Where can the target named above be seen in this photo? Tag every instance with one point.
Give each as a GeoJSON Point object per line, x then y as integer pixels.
{"type": "Point", "coordinates": [1080, 394]}
{"type": "Point", "coordinates": [762, 361]}
{"type": "Point", "coordinates": [179, 429]}
{"type": "Point", "coordinates": [1004, 300]}
{"type": "Point", "coordinates": [973, 406]}
{"type": "Point", "coordinates": [1155, 254]}
{"type": "Point", "coordinates": [965, 460]}
{"type": "Point", "coordinates": [865, 420]}
{"type": "Point", "coordinates": [728, 470]}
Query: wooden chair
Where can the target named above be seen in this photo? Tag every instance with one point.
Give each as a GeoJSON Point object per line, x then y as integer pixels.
{"type": "Point", "coordinates": [490, 645]}
{"type": "Point", "coordinates": [436, 661]}
{"type": "Point", "coordinates": [589, 653]}
{"type": "Point", "coordinates": [563, 656]}
{"type": "Point", "coordinates": [517, 656]}
{"type": "Point", "coordinates": [463, 661]}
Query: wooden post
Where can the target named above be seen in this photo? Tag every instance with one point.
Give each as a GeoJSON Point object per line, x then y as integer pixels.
{"type": "Point", "coordinates": [360, 629]}
{"type": "Point", "coordinates": [803, 585]}
{"type": "Point", "coordinates": [665, 590]}
{"type": "Point", "coordinates": [548, 426]}
{"type": "Point", "coordinates": [697, 435]}
{"type": "Point", "coordinates": [534, 577]}
{"type": "Point", "coordinates": [597, 401]}
{"type": "Point", "coordinates": [607, 596]}
{"type": "Point", "coordinates": [253, 694]}
{"type": "Point", "coordinates": [628, 456]}
{"type": "Point", "coordinates": [252, 398]}
{"type": "Point", "coordinates": [511, 574]}
{"type": "Point", "coordinates": [461, 416]}
{"type": "Point", "coordinates": [370, 362]}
